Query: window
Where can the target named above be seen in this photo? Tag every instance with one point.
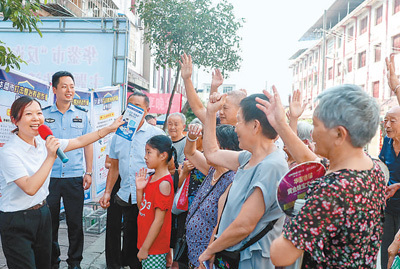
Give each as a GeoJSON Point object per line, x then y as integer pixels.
{"type": "Point", "coordinates": [339, 69]}
{"type": "Point", "coordinates": [396, 6]}
{"type": "Point", "coordinates": [378, 15]}
{"type": "Point", "coordinates": [377, 52]}
{"type": "Point", "coordinates": [310, 60]}
{"type": "Point", "coordinates": [350, 33]}
{"type": "Point", "coordinates": [331, 43]}
{"type": "Point", "coordinates": [330, 73]}
{"type": "Point", "coordinates": [227, 89]}
{"type": "Point", "coordinates": [339, 42]}
{"type": "Point", "coordinates": [310, 80]}
{"type": "Point", "coordinates": [305, 63]}
{"type": "Point", "coordinates": [304, 84]}
{"type": "Point", "coordinates": [363, 25]}
{"type": "Point", "coordinates": [375, 89]}
{"type": "Point", "coordinates": [396, 43]}
{"type": "Point", "coordinates": [350, 65]}
{"type": "Point", "coordinates": [362, 57]}
{"type": "Point", "coordinates": [315, 79]}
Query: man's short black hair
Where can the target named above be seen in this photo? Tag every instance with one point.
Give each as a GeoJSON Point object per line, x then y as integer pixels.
{"type": "Point", "coordinates": [141, 94]}
{"type": "Point", "coordinates": [56, 77]}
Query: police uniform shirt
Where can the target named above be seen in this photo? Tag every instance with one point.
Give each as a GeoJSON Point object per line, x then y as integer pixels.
{"type": "Point", "coordinates": [19, 159]}
{"type": "Point", "coordinates": [73, 123]}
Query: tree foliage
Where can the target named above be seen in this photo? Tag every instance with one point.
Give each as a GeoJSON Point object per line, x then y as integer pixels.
{"type": "Point", "coordinates": [23, 17]}
{"type": "Point", "coordinates": [207, 32]}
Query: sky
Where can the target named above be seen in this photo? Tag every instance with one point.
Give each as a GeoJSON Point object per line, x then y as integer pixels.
{"type": "Point", "coordinates": [270, 37]}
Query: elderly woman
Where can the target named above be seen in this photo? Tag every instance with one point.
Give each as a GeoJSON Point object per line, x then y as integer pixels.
{"type": "Point", "coordinates": [340, 225]}
{"type": "Point", "coordinates": [251, 204]}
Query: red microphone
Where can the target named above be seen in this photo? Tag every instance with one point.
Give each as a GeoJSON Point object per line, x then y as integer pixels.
{"type": "Point", "coordinates": [44, 132]}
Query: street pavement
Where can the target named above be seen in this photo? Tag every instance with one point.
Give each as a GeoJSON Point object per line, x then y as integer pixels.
{"type": "Point", "coordinates": [93, 253]}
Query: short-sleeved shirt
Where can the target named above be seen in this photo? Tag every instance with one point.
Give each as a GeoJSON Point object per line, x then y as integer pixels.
{"type": "Point", "coordinates": [265, 176]}
{"type": "Point", "coordinates": [388, 156]}
{"type": "Point", "coordinates": [340, 225]}
{"type": "Point", "coordinates": [152, 199]}
{"type": "Point", "coordinates": [130, 155]}
{"type": "Point", "coordinates": [73, 123]}
{"type": "Point", "coordinates": [180, 146]}
{"type": "Point", "coordinates": [203, 214]}
{"type": "Point", "coordinates": [19, 159]}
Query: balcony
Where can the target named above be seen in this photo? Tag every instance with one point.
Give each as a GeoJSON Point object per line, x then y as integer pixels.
{"type": "Point", "coordinates": [81, 8]}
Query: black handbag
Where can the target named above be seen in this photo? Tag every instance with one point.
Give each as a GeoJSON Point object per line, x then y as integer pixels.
{"type": "Point", "coordinates": [230, 259]}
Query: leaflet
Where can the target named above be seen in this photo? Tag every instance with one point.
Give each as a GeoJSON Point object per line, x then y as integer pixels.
{"type": "Point", "coordinates": [132, 117]}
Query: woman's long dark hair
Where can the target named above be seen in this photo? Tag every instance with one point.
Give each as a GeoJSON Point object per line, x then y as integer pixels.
{"type": "Point", "coordinates": [164, 144]}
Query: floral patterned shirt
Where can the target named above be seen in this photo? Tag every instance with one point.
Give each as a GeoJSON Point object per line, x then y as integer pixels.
{"type": "Point", "coordinates": [341, 223]}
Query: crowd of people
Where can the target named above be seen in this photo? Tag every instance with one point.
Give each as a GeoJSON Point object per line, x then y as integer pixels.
{"type": "Point", "coordinates": [207, 198]}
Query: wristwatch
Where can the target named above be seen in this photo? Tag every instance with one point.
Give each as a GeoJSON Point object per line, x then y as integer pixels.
{"type": "Point", "coordinates": [89, 173]}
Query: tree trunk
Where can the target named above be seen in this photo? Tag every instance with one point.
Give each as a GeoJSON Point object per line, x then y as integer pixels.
{"type": "Point", "coordinates": [178, 70]}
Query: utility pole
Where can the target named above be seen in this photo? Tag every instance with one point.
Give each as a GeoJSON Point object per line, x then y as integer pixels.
{"type": "Point", "coordinates": [323, 52]}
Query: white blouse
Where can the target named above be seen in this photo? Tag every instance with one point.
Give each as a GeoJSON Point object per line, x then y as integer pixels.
{"type": "Point", "coordinates": [19, 159]}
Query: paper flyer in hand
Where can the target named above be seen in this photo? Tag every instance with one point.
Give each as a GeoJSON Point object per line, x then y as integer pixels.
{"type": "Point", "coordinates": [132, 117]}
{"type": "Point", "coordinates": [293, 186]}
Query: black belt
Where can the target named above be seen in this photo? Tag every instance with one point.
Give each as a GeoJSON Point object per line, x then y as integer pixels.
{"type": "Point", "coordinates": [39, 205]}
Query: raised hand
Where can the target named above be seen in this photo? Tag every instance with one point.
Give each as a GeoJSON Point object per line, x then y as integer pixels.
{"type": "Point", "coordinates": [187, 167]}
{"type": "Point", "coordinates": [217, 80]}
{"type": "Point", "coordinates": [273, 109]}
{"type": "Point", "coordinates": [296, 108]}
{"type": "Point", "coordinates": [186, 66]}
{"type": "Point", "coordinates": [216, 102]}
{"type": "Point", "coordinates": [195, 131]}
{"type": "Point", "coordinates": [141, 180]}
{"type": "Point", "coordinates": [393, 81]}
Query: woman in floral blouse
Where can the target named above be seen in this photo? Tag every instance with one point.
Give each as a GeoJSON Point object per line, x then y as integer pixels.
{"type": "Point", "coordinates": [340, 225]}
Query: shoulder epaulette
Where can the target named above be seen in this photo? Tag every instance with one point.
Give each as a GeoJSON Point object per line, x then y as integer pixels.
{"type": "Point", "coordinates": [81, 108]}
{"type": "Point", "coordinates": [46, 107]}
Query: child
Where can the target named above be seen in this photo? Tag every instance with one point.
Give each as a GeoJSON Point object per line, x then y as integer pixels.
{"type": "Point", "coordinates": [155, 196]}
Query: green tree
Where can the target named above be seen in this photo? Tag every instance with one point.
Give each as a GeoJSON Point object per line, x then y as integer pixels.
{"type": "Point", "coordinates": [24, 18]}
{"type": "Point", "coordinates": [197, 27]}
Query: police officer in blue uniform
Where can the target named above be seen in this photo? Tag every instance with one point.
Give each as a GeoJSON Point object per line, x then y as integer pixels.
{"type": "Point", "coordinates": [68, 180]}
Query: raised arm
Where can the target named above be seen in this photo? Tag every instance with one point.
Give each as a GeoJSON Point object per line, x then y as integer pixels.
{"type": "Point", "coordinates": [192, 154]}
{"type": "Point", "coordinates": [225, 158]}
{"type": "Point", "coordinates": [296, 108]}
{"type": "Point", "coordinates": [276, 116]}
{"type": "Point", "coordinates": [217, 80]}
{"type": "Point", "coordinates": [92, 137]}
{"type": "Point", "coordinates": [194, 101]}
{"type": "Point", "coordinates": [393, 81]}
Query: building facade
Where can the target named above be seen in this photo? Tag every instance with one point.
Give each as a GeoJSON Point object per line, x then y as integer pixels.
{"type": "Point", "coordinates": [351, 48]}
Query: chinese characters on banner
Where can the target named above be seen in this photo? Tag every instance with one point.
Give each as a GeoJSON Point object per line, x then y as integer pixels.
{"type": "Point", "coordinates": [12, 86]}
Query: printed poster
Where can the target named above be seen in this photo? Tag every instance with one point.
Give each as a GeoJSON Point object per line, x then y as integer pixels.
{"type": "Point", "coordinates": [106, 108]}
{"type": "Point", "coordinates": [132, 116]}
{"type": "Point", "coordinates": [12, 86]}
